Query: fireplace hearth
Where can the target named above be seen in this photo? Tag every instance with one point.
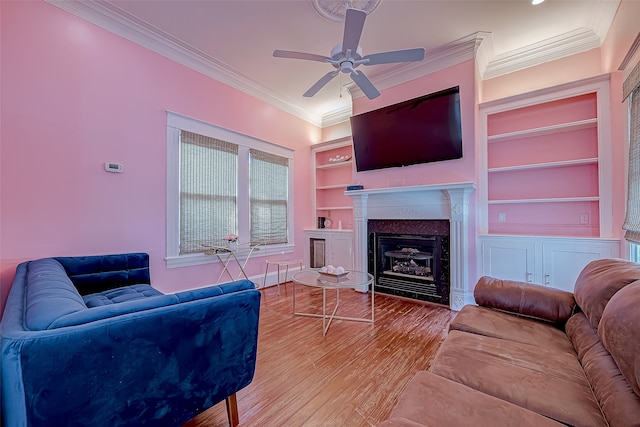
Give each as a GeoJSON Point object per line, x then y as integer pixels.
{"type": "Point", "coordinates": [410, 264]}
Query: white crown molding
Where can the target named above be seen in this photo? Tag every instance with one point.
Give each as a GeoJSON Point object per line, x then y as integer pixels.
{"type": "Point", "coordinates": [551, 49]}
{"type": "Point", "coordinates": [117, 21]}
{"type": "Point", "coordinates": [446, 56]}
{"type": "Point", "coordinates": [337, 116]}
{"type": "Point", "coordinates": [478, 46]}
{"type": "Point", "coordinates": [588, 37]}
{"type": "Point", "coordinates": [602, 14]}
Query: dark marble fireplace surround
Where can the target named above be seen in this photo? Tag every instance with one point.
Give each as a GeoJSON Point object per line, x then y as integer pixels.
{"type": "Point", "coordinates": [424, 276]}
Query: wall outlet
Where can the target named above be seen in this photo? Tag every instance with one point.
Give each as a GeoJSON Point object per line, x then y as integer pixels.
{"type": "Point", "coordinates": [584, 219]}
{"type": "Point", "coordinates": [502, 217]}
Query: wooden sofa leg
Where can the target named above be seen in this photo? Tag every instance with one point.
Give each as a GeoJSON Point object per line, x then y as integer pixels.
{"type": "Point", "coordinates": [232, 410]}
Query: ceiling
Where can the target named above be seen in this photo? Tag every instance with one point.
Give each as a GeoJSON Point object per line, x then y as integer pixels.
{"type": "Point", "coordinates": [233, 41]}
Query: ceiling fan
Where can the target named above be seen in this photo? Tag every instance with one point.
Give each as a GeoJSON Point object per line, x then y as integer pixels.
{"type": "Point", "coordinates": [346, 57]}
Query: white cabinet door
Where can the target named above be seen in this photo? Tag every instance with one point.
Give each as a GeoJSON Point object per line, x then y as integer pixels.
{"type": "Point", "coordinates": [553, 262]}
{"type": "Point", "coordinates": [341, 250]}
{"type": "Point", "coordinates": [508, 259]}
{"type": "Point", "coordinates": [338, 247]}
{"type": "Point", "coordinates": [563, 262]}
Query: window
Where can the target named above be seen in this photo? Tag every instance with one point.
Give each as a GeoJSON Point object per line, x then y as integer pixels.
{"type": "Point", "coordinates": [221, 182]}
{"type": "Point", "coordinates": [208, 191]}
{"type": "Point", "coordinates": [269, 175]}
{"type": "Point", "coordinates": [632, 221]}
{"type": "Point", "coordinates": [634, 252]}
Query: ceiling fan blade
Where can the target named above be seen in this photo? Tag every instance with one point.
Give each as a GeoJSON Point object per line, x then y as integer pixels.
{"type": "Point", "coordinates": [299, 55]}
{"type": "Point", "coordinates": [320, 84]}
{"type": "Point", "coordinates": [364, 84]}
{"type": "Point", "coordinates": [353, 24]}
{"type": "Point", "coordinates": [406, 55]}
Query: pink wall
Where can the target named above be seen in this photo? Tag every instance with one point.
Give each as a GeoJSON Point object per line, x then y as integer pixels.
{"type": "Point", "coordinates": [75, 96]}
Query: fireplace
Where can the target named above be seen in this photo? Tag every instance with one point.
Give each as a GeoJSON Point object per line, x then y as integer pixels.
{"type": "Point", "coordinates": [448, 203]}
{"type": "Point", "coordinates": [410, 258]}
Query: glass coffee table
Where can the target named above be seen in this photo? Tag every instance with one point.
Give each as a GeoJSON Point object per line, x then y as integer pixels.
{"type": "Point", "coordinates": [351, 280]}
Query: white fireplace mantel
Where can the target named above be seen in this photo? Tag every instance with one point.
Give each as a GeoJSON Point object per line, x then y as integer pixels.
{"type": "Point", "coordinates": [439, 201]}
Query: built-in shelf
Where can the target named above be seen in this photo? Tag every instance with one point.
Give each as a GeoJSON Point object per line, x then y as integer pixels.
{"type": "Point", "coordinates": [545, 200]}
{"type": "Point", "coordinates": [545, 130]}
{"type": "Point", "coordinates": [331, 179]}
{"type": "Point", "coordinates": [545, 161]}
{"type": "Point", "coordinates": [332, 187]}
{"type": "Point", "coordinates": [335, 165]}
{"type": "Point", "coordinates": [333, 208]}
{"type": "Point", "coordinates": [587, 161]}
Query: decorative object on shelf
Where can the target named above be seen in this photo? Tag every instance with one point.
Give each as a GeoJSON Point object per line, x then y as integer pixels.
{"type": "Point", "coordinates": [321, 221]}
{"type": "Point", "coordinates": [231, 241]}
{"type": "Point", "coordinates": [327, 223]}
{"type": "Point", "coordinates": [355, 187]}
{"type": "Point", "coordinates": [339, 159]}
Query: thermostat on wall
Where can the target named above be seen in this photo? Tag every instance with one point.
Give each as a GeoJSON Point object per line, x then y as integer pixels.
{"type": "Point", "coordinates": [113, 167]}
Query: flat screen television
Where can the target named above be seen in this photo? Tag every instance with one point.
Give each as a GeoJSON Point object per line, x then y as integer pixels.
{"type": "Point", "coordinates": [421, 130]}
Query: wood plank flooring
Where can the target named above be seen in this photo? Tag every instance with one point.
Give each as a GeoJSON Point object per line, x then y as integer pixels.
{"type": "Point", "coordinates": [350, 377]}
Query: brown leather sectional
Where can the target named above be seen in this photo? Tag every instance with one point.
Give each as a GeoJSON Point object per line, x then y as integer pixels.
{"type": "Point", "coordinates": [528, 355]}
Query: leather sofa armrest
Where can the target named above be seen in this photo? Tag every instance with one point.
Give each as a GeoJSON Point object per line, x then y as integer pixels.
{"type": "Point", "coordinates": [526, 299]}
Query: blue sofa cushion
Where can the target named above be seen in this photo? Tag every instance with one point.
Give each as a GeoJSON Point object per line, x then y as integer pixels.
{"type": "Point", "coordinates": [108, 311]}
{"type": "Point", "coordinates": [49, 294]}
{"type": "Point", "coordinates": [115, 296]}
{"type": "Point", "coordinates": [97, 273]}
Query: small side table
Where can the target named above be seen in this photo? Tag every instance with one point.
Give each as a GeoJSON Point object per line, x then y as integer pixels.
{"type": "Point", "coordinates": [226, 256]}
{"type": "Point", "coordinates": [281, 263]}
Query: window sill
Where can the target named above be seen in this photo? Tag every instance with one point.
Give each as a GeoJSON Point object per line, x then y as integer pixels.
{"type": "Point", "coordinates": [201, 258]}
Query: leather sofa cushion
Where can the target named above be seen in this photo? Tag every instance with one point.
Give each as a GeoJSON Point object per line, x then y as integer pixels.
{"type": "Point", "coordinates": [547, 381]}
{"type": "Point", "coordinates": [497, 324]}
{"type": "Point", "coordinates": [599, 281]}
{"type": "Point", "coordinates": [50, 294]}
{"type": "Point", "coordinates": [428, 399]}
{"type": "Point", "coordinates": [619, 331]}
{"type": "Point", "coordinates": [525, 299]}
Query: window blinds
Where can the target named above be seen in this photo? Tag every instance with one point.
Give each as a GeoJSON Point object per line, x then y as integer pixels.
{"type": "Point", "coordinates": [208, 191]}
{"type": "Point", "coordinates": [268, 184]}
{"type": "Point", "coordinates": [632, 219]}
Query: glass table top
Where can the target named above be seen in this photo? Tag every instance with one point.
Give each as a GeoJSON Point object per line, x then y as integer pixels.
{"type": "Point", "coordinates": [351, 279]}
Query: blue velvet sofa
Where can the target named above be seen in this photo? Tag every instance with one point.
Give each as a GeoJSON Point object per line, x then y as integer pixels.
{"type": "Point", "coordinates": [86, 341]}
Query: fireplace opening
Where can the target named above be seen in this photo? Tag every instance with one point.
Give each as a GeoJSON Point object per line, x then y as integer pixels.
{"type": "Point", "coordinates": [411, 265]}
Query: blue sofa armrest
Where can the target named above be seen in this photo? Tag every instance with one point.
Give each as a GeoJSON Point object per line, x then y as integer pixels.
{"type": "Point", "coordinates": [159, 366]}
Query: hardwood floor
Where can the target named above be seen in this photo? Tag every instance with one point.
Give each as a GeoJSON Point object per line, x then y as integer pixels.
{"type": "Point", "coordinates": [350, 377]}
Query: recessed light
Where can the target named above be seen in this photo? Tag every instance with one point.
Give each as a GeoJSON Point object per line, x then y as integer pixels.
{"type": "Point", "coordinates": [534, 2]}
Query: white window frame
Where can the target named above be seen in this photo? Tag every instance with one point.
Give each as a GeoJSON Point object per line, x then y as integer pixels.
{"type": "Point", "coordinates": [177, 122]}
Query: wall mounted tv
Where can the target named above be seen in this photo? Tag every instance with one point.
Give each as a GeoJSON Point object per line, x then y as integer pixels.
{"type": "Point", "coordinates": [421, 130]}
